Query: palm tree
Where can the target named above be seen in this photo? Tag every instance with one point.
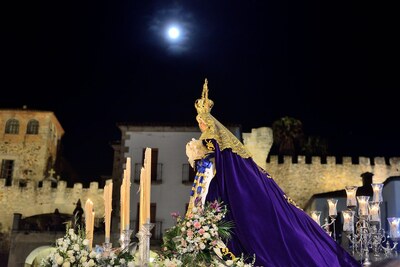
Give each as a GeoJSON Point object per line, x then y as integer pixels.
{"type": "Point", "coordinates": [315, 146]}
{"type": "Point", "coordinates": [288, 132]}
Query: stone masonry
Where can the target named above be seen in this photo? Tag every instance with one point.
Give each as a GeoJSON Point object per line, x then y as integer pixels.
{"type": "Point", "coordinates": [301, 180]}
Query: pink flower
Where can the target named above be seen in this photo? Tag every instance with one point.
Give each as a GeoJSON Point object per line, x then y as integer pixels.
{"type": "Point", "coordinates": [190, 233]}
{"type": "Point", "coordinates": [175, 214]}
{"type": "Point", "coordinates": [197, 225]}
{"type": "Point", "coordinates": [202, 231]}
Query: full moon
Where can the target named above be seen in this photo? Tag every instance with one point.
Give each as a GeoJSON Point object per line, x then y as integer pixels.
{"type": "Point", "coordinates": [173, 32]}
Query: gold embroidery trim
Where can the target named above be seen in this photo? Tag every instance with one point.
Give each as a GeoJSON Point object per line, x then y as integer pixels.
{"type": "Point", "coordinates": [291, 201]}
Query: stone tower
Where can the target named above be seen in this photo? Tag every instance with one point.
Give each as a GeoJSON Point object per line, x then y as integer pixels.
{"type": "Point", "coordinates": [29, 142]}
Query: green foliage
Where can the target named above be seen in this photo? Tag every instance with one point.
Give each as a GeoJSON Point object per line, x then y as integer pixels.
{"type": "Point", "coordinates": [198, 239]}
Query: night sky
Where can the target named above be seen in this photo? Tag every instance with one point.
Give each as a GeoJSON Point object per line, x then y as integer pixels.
{"type": "Point", "coordinates": [332, 65]}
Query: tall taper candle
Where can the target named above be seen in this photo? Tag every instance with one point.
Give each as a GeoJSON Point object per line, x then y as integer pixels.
{"type": "Point", "coordinates": [122, 206]}
{"type": "Point", "coordinates": [141, 197]}
{"type": "Point", "coordinates": [147, 185]}
{"type": "Point", "coordinates": [107, 210]}
{"type": "Point", "coordinates": [145, 190]}
{"type": "Point", "coordinates": [89, 219]}
{"type": "Point", "coordinates": [127, 192]}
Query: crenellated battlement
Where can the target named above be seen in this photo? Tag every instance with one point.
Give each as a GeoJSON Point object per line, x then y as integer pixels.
{"type": "Point", "coordinates": [301, 177]}
{"type": "Point", "coordinates": [31, 198]}
{"type": "Point", "coordinates": [332, 160]}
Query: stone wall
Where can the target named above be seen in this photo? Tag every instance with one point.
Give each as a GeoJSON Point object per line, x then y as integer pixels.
{"type": "Point", "coordinates": [31, 153]}
{"type": "Point", "coordinates": [301, 180]}
{"type": "Point", "coordinates": [32, 199]}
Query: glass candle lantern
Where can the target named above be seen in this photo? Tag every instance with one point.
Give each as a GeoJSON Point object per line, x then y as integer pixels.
{"type": "Point", "coordinates": [374, 212]}
{"type": "Point", "coordinates": [315, 215]}
{"type": "Point", "coordinates": [351, 201]}
{"type": "Point", "coordinates": [377, 189]}
{"type": "Point", "coordinates": [348, 221]}
{"type": "Point", "coordinates": [363, 205]}
{"type": "Point", "coordinates": [394, 230]}
{"type": "Point", "coordinates": [332, 207]}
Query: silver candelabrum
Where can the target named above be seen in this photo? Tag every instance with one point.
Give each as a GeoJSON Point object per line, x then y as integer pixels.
{"type": "Point", "coordinates": [362, 226]}
{"type": "Point", "coordinates": [144, 235]}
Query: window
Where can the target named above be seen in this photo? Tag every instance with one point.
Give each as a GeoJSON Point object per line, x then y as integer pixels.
{"type": "Point", "coordinates": [7, 167]}
{"type": "Point", "coordinates": [188, 174]}
{"type": "Point", "coordinates": [12, 126]}
{"type": "Point", "coordinates": [33, 127]}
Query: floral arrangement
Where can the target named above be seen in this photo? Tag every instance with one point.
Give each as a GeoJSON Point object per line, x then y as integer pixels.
{"type": "Point", "coordinates": [72, 250]}
{"type": "Point", "coordinates": [198, 240]}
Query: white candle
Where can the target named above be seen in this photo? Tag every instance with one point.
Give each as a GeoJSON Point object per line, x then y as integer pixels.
{"type": "Point", "coordinates": [374, 212]}
{"type": "Point", "coordinates": [107, 210]}
{"type": "Point", "coordinates": [348, 221]}
{"type": "Point", "coordinates": [377, 189]}
{"type": "Point", "coordinates": [147, 185]}
{"type": "Point", "coordinates": [351, 196]}
{"type": "Point", "coordinates": [394, 223]}
{"type": "Point", "coordinates": [145, 188]}
{"type": "Point", "coordinates": [127, 193]}
{"type": "Point", "coordinates": [89, 222]}
{"type": "Point", "coordinates": [122, 206]}
{"type": "Point", "coordinates": [92, 229]}
{"type": "Point", "coordinates": [315, 215]}
{"type": "Point", "coordinates": [332, 207]}
{"type": "Point", "coordinates": [363, 205]}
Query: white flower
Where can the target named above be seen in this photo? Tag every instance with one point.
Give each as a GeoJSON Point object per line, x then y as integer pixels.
{"type": "Point", "coordinates": [66, 264]}
{"type": "Point", "coordinates": [72, 259]}
{"type": "Point", "coordinates": [91, 262]}
{"type": "Point", "coordinates": [229, 262]}
{"type": "Point", "coordinates": [59, 260]}
{"type": "Point", "coordinates": [74, 237]}
{"type": "Point", "coordinates": [202, 246]}
{"type": "Point", "coordinates": [206, 235]}
{"type": "Point", "coordinates": [122, 261]}
{"type": "Point", "coordinates": [76, 247]}
{"type": "Point", "coordinates": [83, 259]}
{"type": "Point", "coordinates": [92, 254]}
{"type": "Point", "coordinates": [85, 242]}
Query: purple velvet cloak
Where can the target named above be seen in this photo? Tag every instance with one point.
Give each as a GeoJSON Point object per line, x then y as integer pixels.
{"type": "Point", "coordinates": [266, 224]}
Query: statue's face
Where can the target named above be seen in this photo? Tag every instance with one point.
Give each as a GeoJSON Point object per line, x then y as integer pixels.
{"type": "Point", "coordinates": [202, 121]}
{"type": "Point", "coordinates": [202, 125]}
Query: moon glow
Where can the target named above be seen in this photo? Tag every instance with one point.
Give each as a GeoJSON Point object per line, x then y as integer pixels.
{"type": "Point", "coordinates": [173, 32]}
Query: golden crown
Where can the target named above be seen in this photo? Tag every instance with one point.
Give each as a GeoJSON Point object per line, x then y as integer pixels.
{"type": "Point", "coordinates": [204, 105]}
